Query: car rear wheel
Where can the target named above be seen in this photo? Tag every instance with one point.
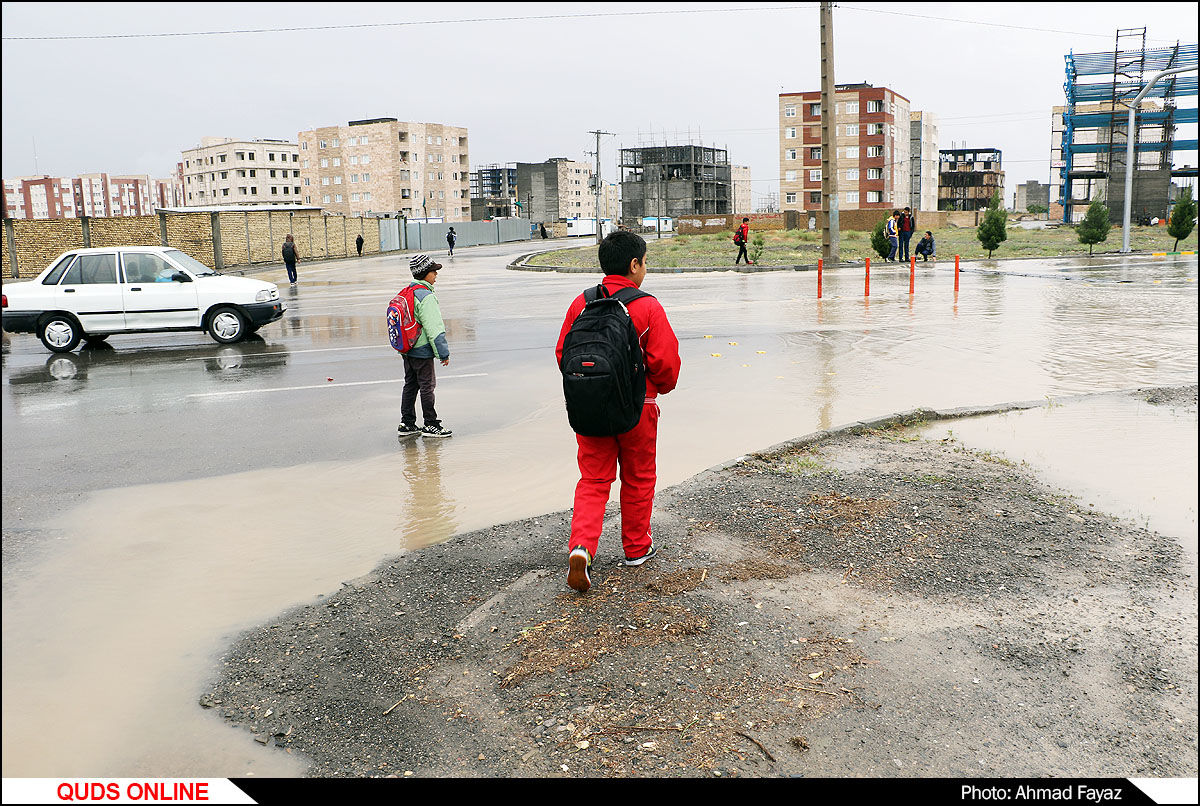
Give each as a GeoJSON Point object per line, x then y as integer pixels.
{"type": "Point", "coordinates": [227, 325]}
{"type": "Point", "coordinates": [60, 333]}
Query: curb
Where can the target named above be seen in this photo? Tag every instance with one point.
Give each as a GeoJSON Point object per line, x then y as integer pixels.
{"type": "Point", "coordinates": [520, 265]}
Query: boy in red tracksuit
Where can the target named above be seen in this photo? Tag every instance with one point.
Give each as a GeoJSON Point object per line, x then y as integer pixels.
{"type": "Point", "coordinates": [623, 258]}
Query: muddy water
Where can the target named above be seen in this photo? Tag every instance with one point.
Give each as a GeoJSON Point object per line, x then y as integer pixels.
{"type": "Point", "coordinates": [1124, 456]}
{"type": "Point", "coordinates": [108, 641]}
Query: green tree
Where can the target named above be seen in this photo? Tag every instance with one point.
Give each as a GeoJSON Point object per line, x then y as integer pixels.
{"type": "Point", "coordinates": [1095, 225]}
{"type": "Point", "coordinates": [991, 232]}
{"type": "Point", "coordinates": [758, 242]}
{"type": "Point", "coordinates": [879, 241]}
{"type": "Point", "coordinates": [1183, 217]}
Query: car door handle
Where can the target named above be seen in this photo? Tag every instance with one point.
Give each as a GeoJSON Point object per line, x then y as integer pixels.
{"type": "Point", "coordinates": [135, 289]}
{"type": "Point", "coordinates": [68, 290]}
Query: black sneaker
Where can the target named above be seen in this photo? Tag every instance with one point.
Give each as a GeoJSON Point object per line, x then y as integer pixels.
{"type": "Point", "coordinates": [650, 552]}
{"type": "Point", "coordinates": [578, 563]}
{"type": "Point", "coordinates": [406, 430]}
{"type": "Point", "coordinates": [435, 431]}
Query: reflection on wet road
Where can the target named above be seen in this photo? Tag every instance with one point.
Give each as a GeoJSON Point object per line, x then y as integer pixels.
{"type": "Point", "coordinates": [164, 494]}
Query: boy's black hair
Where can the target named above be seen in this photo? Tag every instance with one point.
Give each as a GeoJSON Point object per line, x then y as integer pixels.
{"type": "Point", "coordinates": [895, 212]}
{"type": "Point", "coordinates": [619, 249]}
{"type": "Point", "coordinates": [927, 232]}
{"type": "Point", "coordinates": [744, 220]}
{"type": "Point", "coordinates": [908, 209]}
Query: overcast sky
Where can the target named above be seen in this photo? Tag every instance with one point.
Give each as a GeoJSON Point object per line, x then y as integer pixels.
{"type": "Point", "coordinates": [531, 89]}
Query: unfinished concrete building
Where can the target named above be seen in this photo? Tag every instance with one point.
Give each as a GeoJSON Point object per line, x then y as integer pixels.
{"type": "Point", "coordinates": [968, 178]}
{"type": "Point", "coordinates": [672, 181]}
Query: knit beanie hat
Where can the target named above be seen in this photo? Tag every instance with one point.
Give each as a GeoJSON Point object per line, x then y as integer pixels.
{"type": "Point", "coordinates": [420, 265]}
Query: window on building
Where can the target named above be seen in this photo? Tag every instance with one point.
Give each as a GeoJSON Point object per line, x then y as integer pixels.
{"type": "Point", "coordinates": [874, 128]}
{"type": "Point", "coordinates": [324, 163]}
{"type": "Point", "coordinates": [429, 139]}
{"type": "Point", "coordinates": [851, 107]}
{"type": "Point", "coordinates": [353, 178]}
{"type": "Point", "coordinates": [791, 153]}
{"type": "Point", "coordinates": [874, 106]}
{"type": "Point", "coordinates": [366, 159]}
{"type": "Point", "coordinates": [274, 190]}
{"type": "Point", "coordinates": [220, 157]}
{"type": "Point", "coordinates": [224, 174]}
{"type": "Point", "coordinates": [789, 111]}
{"type": "Point", "coordinates": [337, 180]}
{"type": "Point", "coordinates": [852, 130]}
{"type": "Point", "coordinates": [250, 155]}
{"type": "Point", "coordinates": [814, 175]}
{"type": "Point", "coordinates": [789, 198]}
{"type": "Point", "coordinates": [253, 172]}
{"type": "Point", "coordinates": [304, 146]}
{"type": "Point", "coordinates": [852, 174]}
{"type": "Point", "coordinates": [790, 132]}
{"type": "Point", "coordinates": [337, 197]}
{"type": "Point", "coordinates": [874, 196]}
{"type": "Point", "coordinates": [362, 141]}
{"type": "Point", "coordinates": [335, 143]}
{"type": "Point", "coordinates": [789, 176]}
{"type": "Point", "coordinates": [325, 199]}
{"type": "Point", "coordinates": [270, 156]}
{"type": "Point", "coordinates": [851, 197]}
{"type": "Point", "coordinates": [296, 191]}
{"type": "Point", "coordinates": [306, 163]}
{"type": "Point", "coordinates": [814, 153]}
{"type": "Point", "coordinates": [874, 151]}
{"type": "Point", "coordinates": [852, 152]}
{"type": "Point", "coordinates": [367, 196]}
{"type": "Point", "coordinates": [322, 144]}
{"type": "Point", "coordinates": [337, 162]}
{"type": "Point", "coordinates": [294, 173]}
{"type": "Point", "coordinates": [874, 173]}
{"type": "Point", "coordinates": [295, 158]}
{"type": "Point", "coordinates": [366, 177]}
{"type": "Point", "coordinates": [353, 141]}
{"type": "Point", "coordinates": [353, 197]}
{"type": "Point", "coordinates": [241, 191]}
{"type": "Point", "coordinates": [814, 110]}
{"type": "Point", "coordinates": [253, 190]}
{"type": "Point", "coordinates": [272, 173]}
{"type": "Point", "coordinates": [814, 198]}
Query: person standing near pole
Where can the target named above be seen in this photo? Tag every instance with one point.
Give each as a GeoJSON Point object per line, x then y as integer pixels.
{"type": "Point", "coordinates": [741, 238]}
{"type": "Point", "coordinates": [908, 225]}
{"type": "Point", "coordinates": [290, 256]}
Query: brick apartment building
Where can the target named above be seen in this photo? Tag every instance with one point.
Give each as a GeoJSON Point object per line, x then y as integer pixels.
{"type": "Point", "coordinates": [222, 170]}
{"type": "Point", "coordinates": [96, 195]}
{"type": "Point", "coordinates": [872, 138]}
{"type": "Point", "coordinates": [384, 166]}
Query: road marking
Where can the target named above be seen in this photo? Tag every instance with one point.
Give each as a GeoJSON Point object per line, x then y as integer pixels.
{"type": "Point", "coordinates": [325, 386]}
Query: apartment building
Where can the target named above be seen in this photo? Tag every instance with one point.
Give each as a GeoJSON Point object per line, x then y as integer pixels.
{"type": "Point", "coordinates": [384, 166]}
{"type": "Point", "coordinates": [743, 201]}
{"type": "Point", "coordinates": [923, 154]}
{"type": "Point", "coordinates": [968, 178]}
{"type": "Point", "coordinates": [494, 192]}
{"type": "Point", "coordinates": [675, 180]}
{"type": "Point", "coordinates": [556, 190]}
{"type": "Point", "coordinates": [96, 195]}
{"type": "Point", "coordinates": [871, 135]}
{"type": "Point", "coordinates": [222, 170]}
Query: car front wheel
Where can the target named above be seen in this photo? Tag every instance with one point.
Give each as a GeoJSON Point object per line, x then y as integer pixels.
{"type": "Point", "coordinates": [227, 325]}
{"type": "Point", "coordinates": [60, 334]}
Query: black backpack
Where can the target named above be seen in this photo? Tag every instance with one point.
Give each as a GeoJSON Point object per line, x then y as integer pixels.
{"type": "Point", "coordinates": [289, 250]}
{"type": "Point", "coordinates": [604, 378]}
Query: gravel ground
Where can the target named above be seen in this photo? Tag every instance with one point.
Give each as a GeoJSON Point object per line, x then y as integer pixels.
{"type": "Point", "coordinates": [870, 603]}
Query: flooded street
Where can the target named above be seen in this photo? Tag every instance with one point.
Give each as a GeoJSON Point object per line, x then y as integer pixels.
{"type": "Point", "coordinates": [165, 494]}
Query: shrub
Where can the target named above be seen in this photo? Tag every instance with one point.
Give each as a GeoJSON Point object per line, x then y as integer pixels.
{"type": "Point", "coordinates": [757, 244]}
{"type": "Point", "coordinates": [879, 241]}
{"type": "Point", "coordinates": [991, 232]}
{"type": "Point", "coordinates": [1095, 225]}
{"type": "Point", "coordinates": [1183, 218]}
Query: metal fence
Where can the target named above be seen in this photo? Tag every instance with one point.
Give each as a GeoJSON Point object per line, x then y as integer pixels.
{"type": "Point", "coordinates": [429, 237]}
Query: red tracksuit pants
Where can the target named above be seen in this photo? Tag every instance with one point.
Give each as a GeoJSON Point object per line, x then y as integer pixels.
{"type": "Point", "coordinates": [635, 451]}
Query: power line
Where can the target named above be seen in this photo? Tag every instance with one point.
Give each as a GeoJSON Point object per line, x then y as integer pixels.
{"type": "Point", "coordinates": [409, 23]}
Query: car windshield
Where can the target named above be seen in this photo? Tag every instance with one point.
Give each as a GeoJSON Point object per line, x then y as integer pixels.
{"type": "Point", "coordinates": [190, 263]}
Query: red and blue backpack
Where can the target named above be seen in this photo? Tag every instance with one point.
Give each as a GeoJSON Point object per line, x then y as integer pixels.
{"type": "Point", "coordinates": [402, 325]}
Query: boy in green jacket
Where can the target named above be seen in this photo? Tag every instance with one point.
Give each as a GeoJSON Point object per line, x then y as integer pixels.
{"type": "Point", "coordinates": [418, 362]}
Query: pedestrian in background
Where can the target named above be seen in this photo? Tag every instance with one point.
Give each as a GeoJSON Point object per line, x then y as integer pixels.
{"type": "Point", "coordinates": [418, 362]}
{"type": "Point", "coordinates": [741, 238]}
{"type": "Point", "coordinates": [908, 225]}
{"type": "Point", "coordinates": [926, 248]}
{"type": "Point", "coordinates": [451, 237]}
{"type": "Point", "coordinates": [623, 259]}
{"type": "Point", "coordinates": [892, 230]}
{"type": "Point", "coordinates": [290, 256]}
{"type": "Point", "coordinates": [542, 229]}
{"type": "Point", "coordinates": [359, 243]}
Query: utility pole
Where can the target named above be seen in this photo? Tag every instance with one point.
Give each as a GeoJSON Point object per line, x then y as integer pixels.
{"type": "Point", "coordinates": [596, 179]}
{"type": "Point", "coordinates": [830, 232]}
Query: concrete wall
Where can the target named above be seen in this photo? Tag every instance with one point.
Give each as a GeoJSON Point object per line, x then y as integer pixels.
{"type": "Point", "coordinates": [686, 225]}
{"type": "Point", "coordinates": [245, 238]}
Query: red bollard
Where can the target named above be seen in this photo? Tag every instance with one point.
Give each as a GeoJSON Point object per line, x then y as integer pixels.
{"type": "Point", "coordinates": [867, 286]}
{"type": "Point", "coordinates": [956, 274]}
{"type": "Point", "coordinates": [912, 275]}
{"type": "Point", "coordinates": [820, 264]}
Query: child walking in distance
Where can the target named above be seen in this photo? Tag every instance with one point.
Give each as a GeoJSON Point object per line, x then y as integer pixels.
{"type": "Point", "coordinates": [451, 237]}
{"type": "Point", "coordinates": [740, 239]}
{"type": "Point", "coordinates": [617, 353]}
{"type": "Point", "coordinates": [418, 361]}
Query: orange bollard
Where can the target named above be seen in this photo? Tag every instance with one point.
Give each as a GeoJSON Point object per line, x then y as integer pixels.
{"type": "Point", "coordinates": [956, 274]}
{"type": "Point", "coordinates": [912, 275]}
{"type": "Point", "coordinates": [820, 264]}
{"type": "Point", "coordinates": [867, 286]}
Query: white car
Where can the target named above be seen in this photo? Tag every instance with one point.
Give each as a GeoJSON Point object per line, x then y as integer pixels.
{"type": "Point", "coordinates": [94, 293]}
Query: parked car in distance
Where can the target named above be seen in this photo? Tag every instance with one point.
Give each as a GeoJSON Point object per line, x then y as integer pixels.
{"type": "Point", "coordinates": [95, 293]}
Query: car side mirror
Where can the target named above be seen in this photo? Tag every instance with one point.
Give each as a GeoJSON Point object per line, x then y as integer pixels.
{"type": "Point", "coordinates": [180, 277]}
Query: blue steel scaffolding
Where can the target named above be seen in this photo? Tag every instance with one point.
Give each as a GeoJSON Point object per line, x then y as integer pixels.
{"type": "Point", "coordinates": [1099, 89]}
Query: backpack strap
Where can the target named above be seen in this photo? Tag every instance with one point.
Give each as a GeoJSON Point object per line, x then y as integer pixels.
{"type": "Point", "coordinates": [623, 295]}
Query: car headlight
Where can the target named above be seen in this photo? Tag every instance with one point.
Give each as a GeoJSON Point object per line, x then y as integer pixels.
{"type": "Point", "coordinates": [262, 296]}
